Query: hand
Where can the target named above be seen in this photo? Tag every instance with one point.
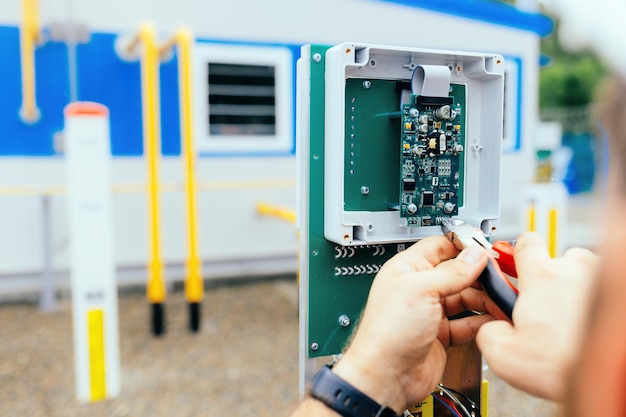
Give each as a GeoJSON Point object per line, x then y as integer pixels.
{"type": "Point", "coordinates": [536, 351]}
{"type": "Point", "coordinates": [398, 353]}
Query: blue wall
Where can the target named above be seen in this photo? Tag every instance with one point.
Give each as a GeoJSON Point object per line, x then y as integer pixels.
{"type": "Point", "coordinates": [101, 77]}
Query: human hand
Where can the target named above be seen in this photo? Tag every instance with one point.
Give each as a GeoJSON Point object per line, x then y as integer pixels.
{"type": "Point", "coordinates": [536, 351]}
{"type": "Point", "coordinates": [398, 353]}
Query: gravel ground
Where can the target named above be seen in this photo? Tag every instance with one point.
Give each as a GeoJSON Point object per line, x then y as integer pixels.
{"type": "Point", "coordinates": [244, 360]}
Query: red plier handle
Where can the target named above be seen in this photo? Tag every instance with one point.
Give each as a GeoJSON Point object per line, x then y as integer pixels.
{"type": "Point", "coordinates": [505, 259]}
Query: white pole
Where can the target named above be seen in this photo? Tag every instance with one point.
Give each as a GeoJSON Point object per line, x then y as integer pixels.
{"type": "Point", "coordinates": [92, 268]}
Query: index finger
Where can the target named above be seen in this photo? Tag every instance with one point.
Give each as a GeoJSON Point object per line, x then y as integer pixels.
{"type": "Point", "coordinates": [426, 254]}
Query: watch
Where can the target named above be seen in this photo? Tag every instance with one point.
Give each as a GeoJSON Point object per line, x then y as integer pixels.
{"type": "Point", "coordinates": [345, 399]}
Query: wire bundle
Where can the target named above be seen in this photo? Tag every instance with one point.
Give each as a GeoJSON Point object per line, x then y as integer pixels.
{"type": "Point", "coordinates": [456, 403]}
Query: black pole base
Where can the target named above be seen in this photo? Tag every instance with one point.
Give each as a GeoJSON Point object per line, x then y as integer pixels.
{"type": "Point", "coordinates": [194, 317]}
{"type": "Point", "coordinates": [158, 319]}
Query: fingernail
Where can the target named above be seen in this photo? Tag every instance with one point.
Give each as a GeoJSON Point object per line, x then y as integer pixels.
{"type": "Point", "coordinates": [472, 254]}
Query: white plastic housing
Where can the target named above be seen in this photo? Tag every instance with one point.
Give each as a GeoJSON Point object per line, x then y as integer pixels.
{"type": "Point", "coordinates": [483, 75]}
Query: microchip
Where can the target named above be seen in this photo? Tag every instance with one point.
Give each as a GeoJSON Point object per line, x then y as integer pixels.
{"type": "Point", "coordinates": [408, 184]}
{"type": "Point", "coordinates": [428, 198]}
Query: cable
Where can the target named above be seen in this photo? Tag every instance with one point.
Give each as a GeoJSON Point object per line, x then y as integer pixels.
{"type": "Point", "coordinates": [452, 402]}
{"type": "Point", "coordinates": [447, 404]}
{"type": "Point", "coordinates": [474, 408]}
{"type": "Point", "coordinates": [450, 394]}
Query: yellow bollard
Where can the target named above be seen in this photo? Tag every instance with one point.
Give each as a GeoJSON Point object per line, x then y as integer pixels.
{"type": "Point", "coordinates": [531, 217]}
{"type": "Point", "coordinates": [194, 285]}
{"type": "Point", "coordinates": [552, 232]}
{"type": "Point", "coordinates": [149, 63]}
{"type": "Point", "coordinates": [484, 398]}
{"type": "Point", "coordinates": [546, 214]}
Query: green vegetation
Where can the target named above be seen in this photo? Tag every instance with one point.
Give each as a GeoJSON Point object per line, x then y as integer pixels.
{"type": "Point", "coordinates": [571, 79]}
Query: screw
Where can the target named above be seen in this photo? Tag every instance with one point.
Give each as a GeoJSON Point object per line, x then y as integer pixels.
{"type": "Point", "coordinates": [344, 321]}
{"type": "Point", "coordinates": [317, 57]}
{"type": "Point", "coordinates": [365, 190]}
{"type": "Point", "coordinates": [315, 346]}
{"type": "Point", "coordinates": [367, 84]}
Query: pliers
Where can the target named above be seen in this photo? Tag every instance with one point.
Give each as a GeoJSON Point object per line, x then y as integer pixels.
{"type": "Point", "coordinates": [501, 263]}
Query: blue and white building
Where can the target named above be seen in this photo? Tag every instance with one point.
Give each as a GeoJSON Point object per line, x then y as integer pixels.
{"type": "Point", "coordinates": [246, 148]}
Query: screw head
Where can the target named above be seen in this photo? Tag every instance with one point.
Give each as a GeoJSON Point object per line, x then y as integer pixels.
{"type": "Point", "coordinates": [365, 190]}
{"type": "Point", "coordinates": [367, 84]}
{"type": "Point", "coordinates": [317, 57]}
{"type": "Point", "coordinates": [315, 346]}
{"type": "Point", "coordinates": [344, 321]}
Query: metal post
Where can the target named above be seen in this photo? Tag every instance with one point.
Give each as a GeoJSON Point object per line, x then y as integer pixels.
{"type": "Point", "coordinates": [47, 299]}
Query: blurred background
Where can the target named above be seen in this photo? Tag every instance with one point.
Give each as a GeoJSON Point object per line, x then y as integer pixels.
{"type": "Point", "coordinates": [197, 255]}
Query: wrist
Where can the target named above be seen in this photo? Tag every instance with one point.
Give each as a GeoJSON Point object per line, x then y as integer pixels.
{"type": "Point", "coordinates": [376, 381]}
{"type": "Point", "coordinates": [344, 399]}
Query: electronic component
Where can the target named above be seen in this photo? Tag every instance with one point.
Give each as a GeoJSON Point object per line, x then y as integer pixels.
{"type": "Point", "coordinates": [436, 157]}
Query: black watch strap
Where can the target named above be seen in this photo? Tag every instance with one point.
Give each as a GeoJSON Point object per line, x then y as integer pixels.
{"type": "Point", "coordinates": [346, 400]}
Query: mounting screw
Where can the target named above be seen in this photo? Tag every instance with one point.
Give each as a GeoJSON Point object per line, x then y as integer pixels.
{"type": "Point", "coordinates": [365, 190]}
{"type": "Point", "coordinates": [315, 346]}
{"type": "Point", "coordinates": [344, 321]}
{"type": "Point", "coordinates": [317, 57]}
{"type": "Point", "coordinates": [367, 84]}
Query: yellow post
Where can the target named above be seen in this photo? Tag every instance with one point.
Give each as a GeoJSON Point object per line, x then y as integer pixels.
{"type": "Point", "coordinates": [29, 35]}
{"type": "Point", "coordinates": [531, 218]}
{"type": "Point", "coordinates": [552, 232]}
{"type": "Point", "coordinates": [149, 64]}
{"type": "Point", "coordinates": [194, 285]}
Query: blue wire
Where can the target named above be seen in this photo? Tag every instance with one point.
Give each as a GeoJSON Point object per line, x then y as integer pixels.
{"type": "Point", "coordinates": [445, 404]}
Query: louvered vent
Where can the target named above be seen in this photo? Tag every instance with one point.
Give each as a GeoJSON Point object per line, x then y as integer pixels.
{"type": "Point", "coordinates": [242, 99]}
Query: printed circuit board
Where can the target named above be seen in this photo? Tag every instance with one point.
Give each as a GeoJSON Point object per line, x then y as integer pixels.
{"type": "Point", "coordinates": [431, 166]}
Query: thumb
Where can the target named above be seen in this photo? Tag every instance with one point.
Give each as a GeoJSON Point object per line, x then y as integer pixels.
{"type": "Point", "coordinates": [521, 361]}
{"type": "Point", "coordinates": [459, 273]}
{"type": "Point", "coordinates": [494, 337]}
{"type": "Point", "coordinates": [497, 342]}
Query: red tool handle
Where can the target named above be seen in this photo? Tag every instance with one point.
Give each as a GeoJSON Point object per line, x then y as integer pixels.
{"type": "Point", "coordinates": [505, 260]}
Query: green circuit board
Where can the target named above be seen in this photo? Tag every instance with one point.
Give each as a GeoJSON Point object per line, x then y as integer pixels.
{"type": "Point", "coordinates": [339, 277]}
{"type": "Point", "coordinates": [431, 166]}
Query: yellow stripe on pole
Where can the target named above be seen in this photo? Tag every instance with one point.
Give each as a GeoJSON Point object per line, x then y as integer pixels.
{"type": "Point", "coordinates": [97, 366]}
{"type": "Point", "coordinates": [552, 232]}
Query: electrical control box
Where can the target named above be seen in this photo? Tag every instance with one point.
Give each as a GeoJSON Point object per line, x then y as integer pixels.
{"type": "Point", "coordinates": [391, 141]}
{"type": "Point", "coordinates": [411, 137]}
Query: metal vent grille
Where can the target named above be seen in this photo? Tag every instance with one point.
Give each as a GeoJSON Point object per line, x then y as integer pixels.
{"type": "Point", "coordinates": [242, 99]}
